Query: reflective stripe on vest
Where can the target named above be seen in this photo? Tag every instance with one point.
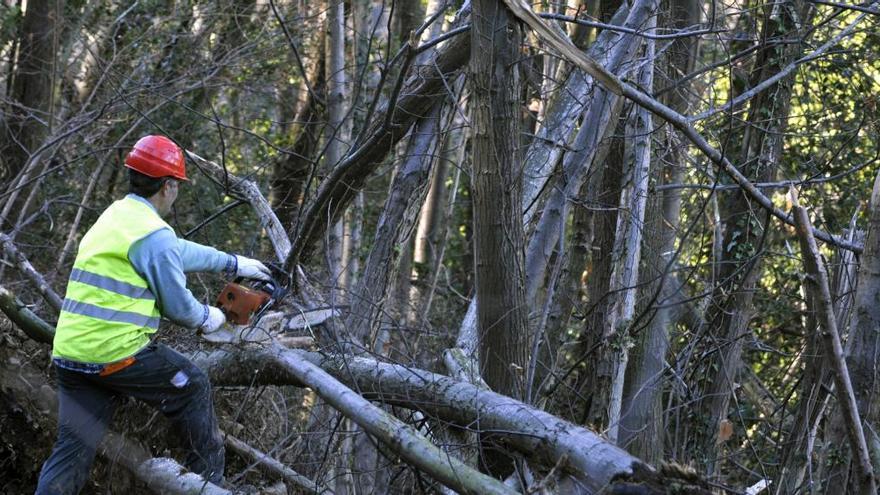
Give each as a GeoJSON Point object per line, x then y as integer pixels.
{"type": "Point", "coordinates": [109, 310]}
{"type": "Point", "coordinates": [108, 283]}
{"type": "Point", "coordinates": [86, 309]}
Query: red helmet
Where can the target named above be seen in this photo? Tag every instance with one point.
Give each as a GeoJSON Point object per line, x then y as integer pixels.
{"type": "Point", "coordinates": [157, 156]}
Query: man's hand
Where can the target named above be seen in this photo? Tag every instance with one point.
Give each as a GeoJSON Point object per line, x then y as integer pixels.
{"type": "Point", "coordinates": [251, 268]}
{"type": "Point", "coordinates": [213, 322]}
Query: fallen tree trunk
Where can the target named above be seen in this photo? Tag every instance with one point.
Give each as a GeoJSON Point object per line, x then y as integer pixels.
{"type": "Point", "coordinates": [399, 436]}
{"type": "Point", "coordinates": [596, 463]}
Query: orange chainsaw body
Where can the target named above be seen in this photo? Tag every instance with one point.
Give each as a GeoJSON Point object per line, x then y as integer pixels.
{"type": "Point", "coordinates": [239, 303]}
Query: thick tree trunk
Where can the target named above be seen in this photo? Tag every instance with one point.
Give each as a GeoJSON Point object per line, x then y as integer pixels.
{"type": "Point", "coordinates": [593, 376]}
{"type": "Point", "coordinates": [496, 189]}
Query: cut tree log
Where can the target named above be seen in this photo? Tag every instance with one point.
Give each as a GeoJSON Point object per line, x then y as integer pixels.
{"type": "Point", "coordinates": [544, 438]}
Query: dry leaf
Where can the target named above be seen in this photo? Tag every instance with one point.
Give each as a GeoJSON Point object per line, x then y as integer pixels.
{"type": "Point", "coordinates": [725, 431]}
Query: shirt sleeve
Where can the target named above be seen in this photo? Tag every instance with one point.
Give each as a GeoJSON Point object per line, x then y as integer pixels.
{"type": "Point", "coordinates": [198, 258]}
{"type": "Point", "coordinates": [157, 258]}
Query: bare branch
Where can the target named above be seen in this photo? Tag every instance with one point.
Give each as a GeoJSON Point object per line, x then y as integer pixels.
{"type": "Point", "coordinates": [251, 193]}
{"type": "Point", "coordinates": [25, 267]}
{"type": "Point", "coordinates": [817, 281]}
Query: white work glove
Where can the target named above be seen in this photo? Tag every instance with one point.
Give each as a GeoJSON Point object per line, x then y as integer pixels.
{"type": "Point", "coordinates": [251, 268]}
{"type": "Point", "coordinates": [213, 322]}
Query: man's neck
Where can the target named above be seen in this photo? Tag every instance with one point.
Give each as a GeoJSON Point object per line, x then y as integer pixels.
{"type": "Point", "coordinates": [153, 201]}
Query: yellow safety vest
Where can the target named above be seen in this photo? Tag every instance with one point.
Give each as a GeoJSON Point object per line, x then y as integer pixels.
{"type": "Point", "coordinates": [109, 311]}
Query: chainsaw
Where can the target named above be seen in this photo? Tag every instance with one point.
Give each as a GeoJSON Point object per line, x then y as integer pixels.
{"type": "Point", "coordinates": [245, 304]}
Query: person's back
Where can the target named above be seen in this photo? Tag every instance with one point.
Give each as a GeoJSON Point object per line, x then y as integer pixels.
{"type": "Point", "coordinates": [109, 311]}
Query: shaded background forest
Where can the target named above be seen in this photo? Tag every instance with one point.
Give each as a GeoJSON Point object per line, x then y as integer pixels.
{"type": "Point", "coordinates": [424, 155]}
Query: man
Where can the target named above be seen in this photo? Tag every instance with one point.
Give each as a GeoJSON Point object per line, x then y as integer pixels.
{"type": "Point", "coordinates": [128, 271]}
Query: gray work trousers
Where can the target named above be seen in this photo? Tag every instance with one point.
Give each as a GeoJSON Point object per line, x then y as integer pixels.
{"type": "Point", "coordinates": [162, 378]}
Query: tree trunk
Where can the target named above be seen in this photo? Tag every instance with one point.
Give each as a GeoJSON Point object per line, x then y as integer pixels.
{"type": "Point", "coordinates": [497, 196]}
{"type": "Point", "coordinates": [395, 221]}
{"type": "Point", "coordinates": [336, 141]}
{"type": "Point", "coordinates": [864, 343]}
{"type": "Point", "coordinates": [627, 251]}
{"type": "Point", "coordinates": [865, 481]}
{"type": "Point", "coordinates": [642, 421]}
{"type": "Point", "coordinates": [408, 16]}
{"type": "Point", "coordinates": [562, 115]}
{"type": "Point", "coordinates": [29, 119]}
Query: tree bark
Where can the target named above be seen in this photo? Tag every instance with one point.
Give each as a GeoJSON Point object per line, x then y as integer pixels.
{"type": "Point", "coordinates": [562, 115]}
{"type": "Point", "coordinates": [336, 137]}
{"type": "Point", "coordinates": [628, 237]}
{"type": "Point", "coordinates": [599, 121]}
{"type": "Point", "coordinates": [496, 189]}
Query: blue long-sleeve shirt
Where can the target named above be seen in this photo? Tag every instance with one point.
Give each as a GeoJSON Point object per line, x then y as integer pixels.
{"type": "Point", "coordinates": [164, 260]}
